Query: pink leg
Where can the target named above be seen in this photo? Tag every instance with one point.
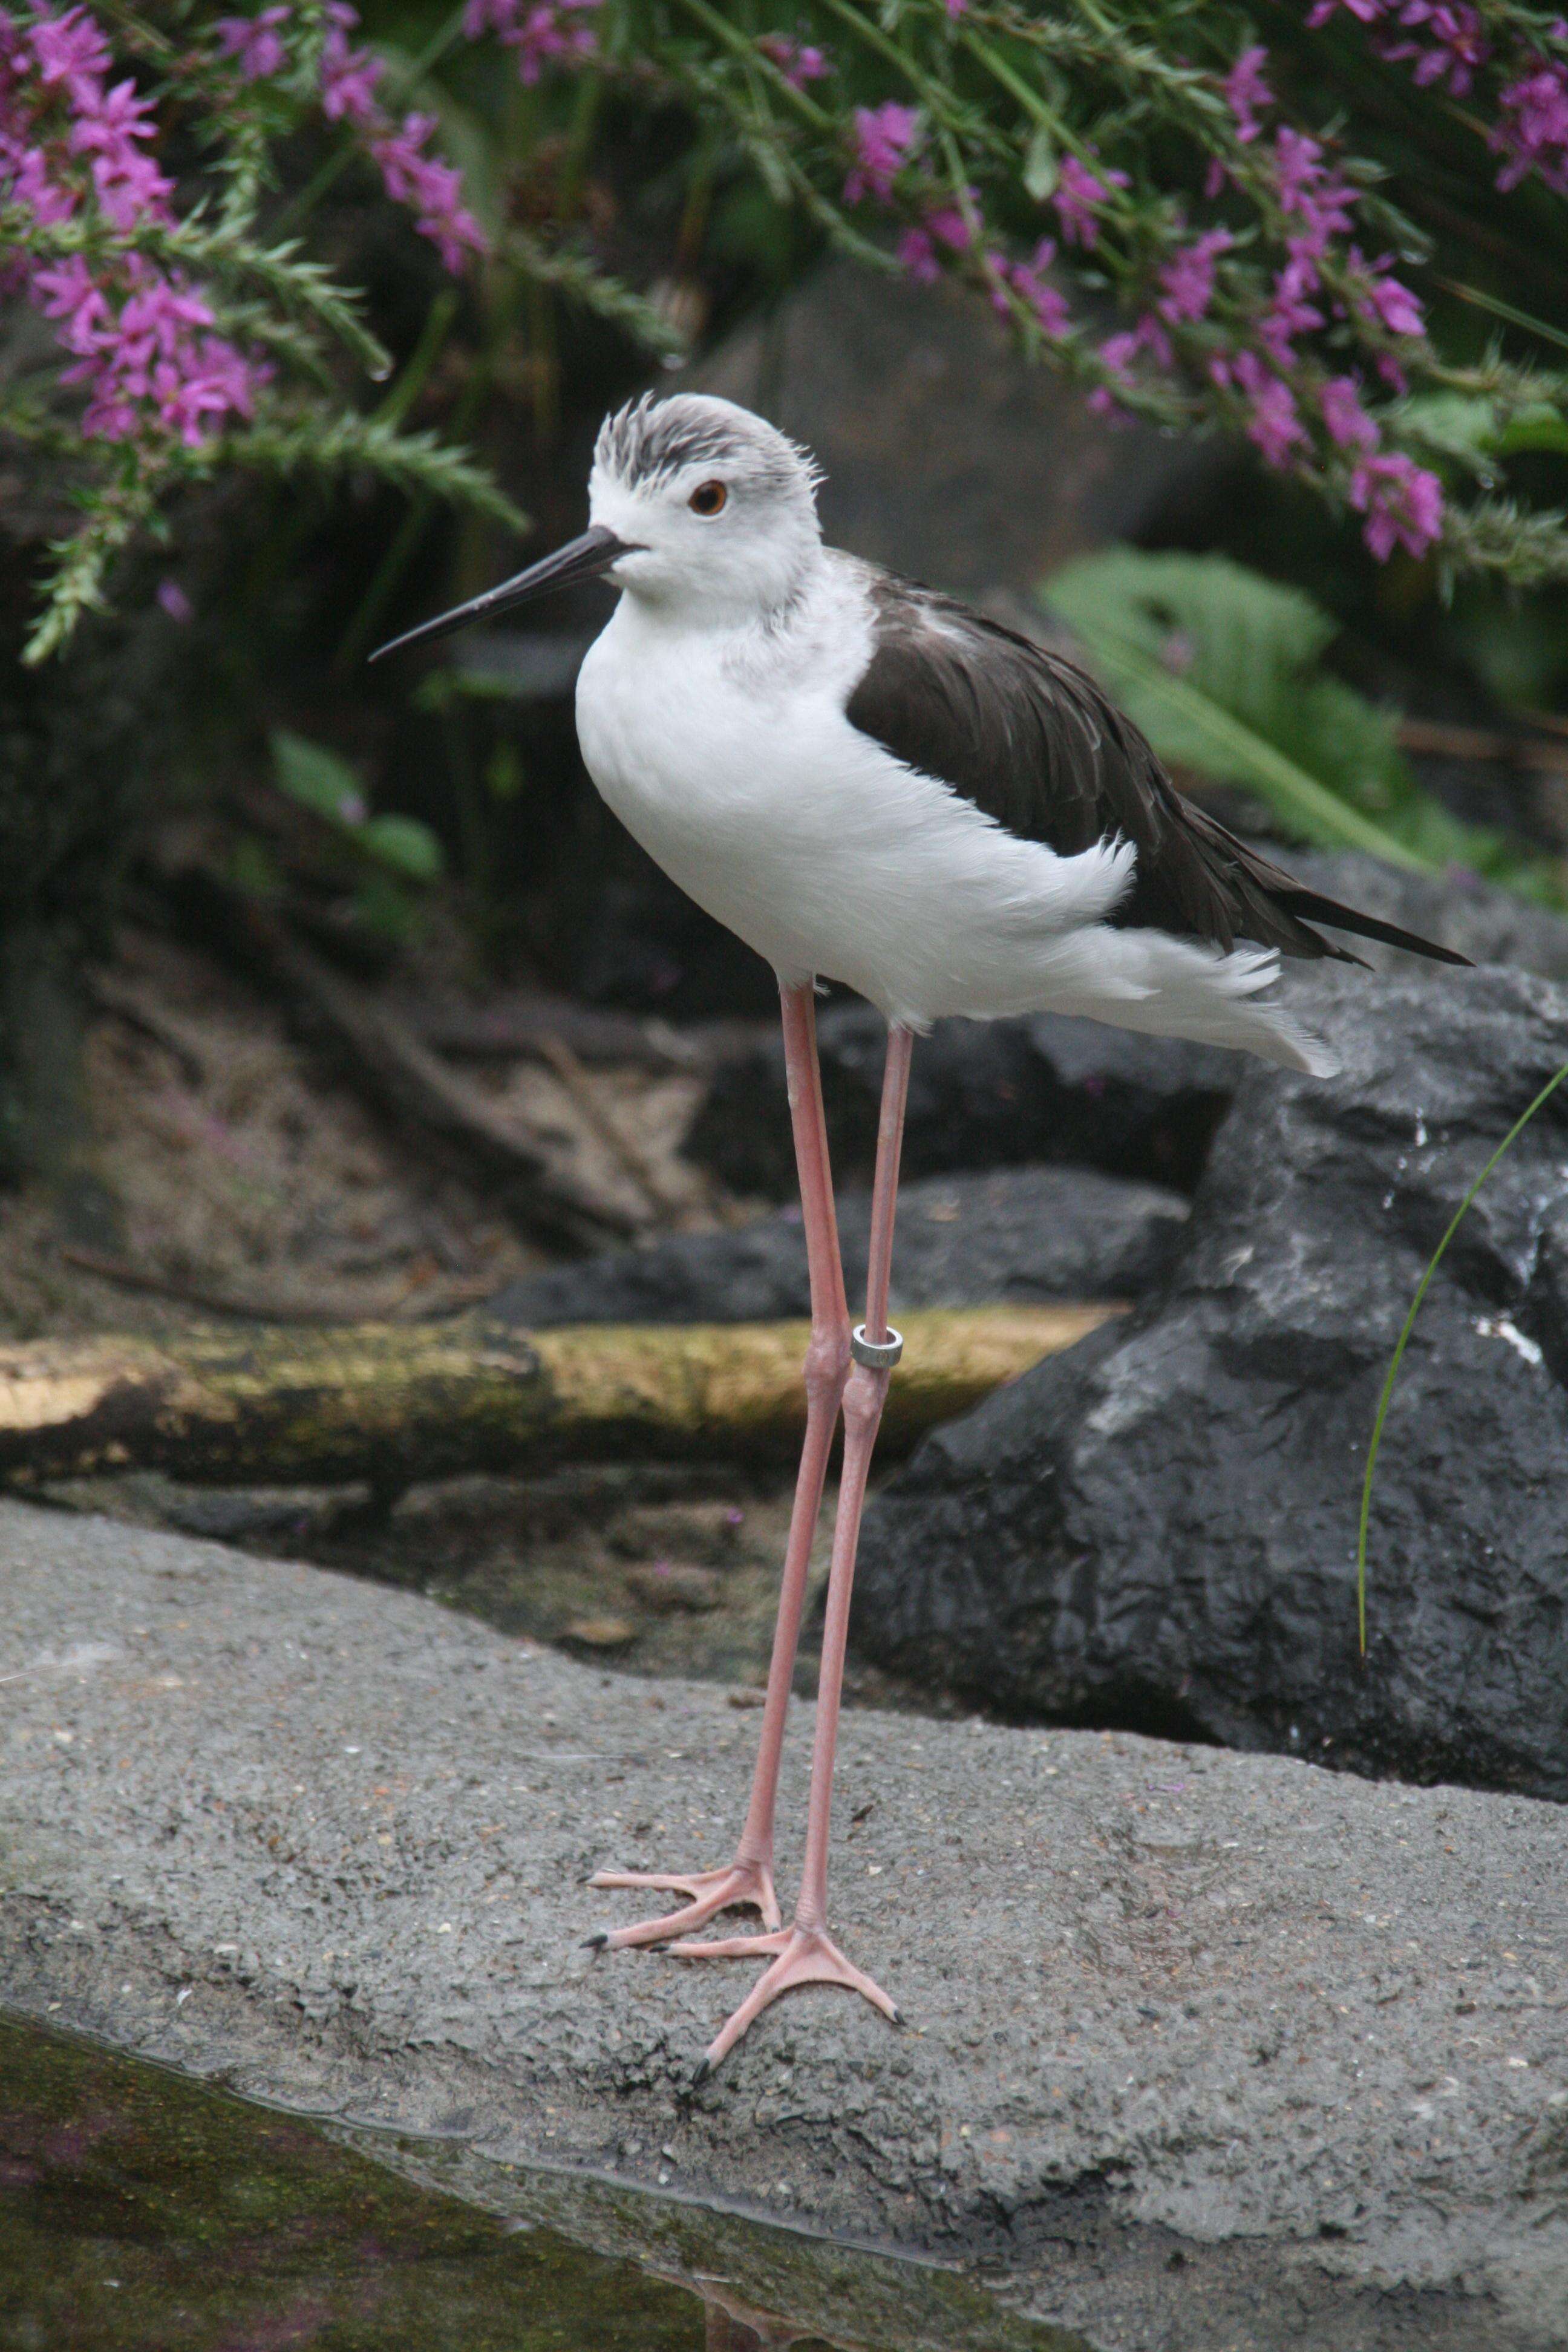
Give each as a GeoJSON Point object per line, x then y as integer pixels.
{"type": "Point", "coordinates": [749, 1878]}
{"type": "Point", "coordinates": [803, 1953]}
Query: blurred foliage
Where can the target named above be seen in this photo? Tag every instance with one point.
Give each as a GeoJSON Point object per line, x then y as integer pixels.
{"type": "Point", "coordinates": [631, 204]}
{"type": "Point", "coordinates": [1222, 669]}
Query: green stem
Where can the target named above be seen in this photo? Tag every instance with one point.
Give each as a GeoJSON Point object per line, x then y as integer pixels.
{"type": "Point", "coordinates": [1547, 1091]}
{"type": "Point", "coordinates": [741, 45]}
{"type": "Point", "coordinates": [421, 360]}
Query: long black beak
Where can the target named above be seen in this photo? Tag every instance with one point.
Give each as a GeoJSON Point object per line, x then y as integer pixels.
{"type": "Point", "coordinates": [580, 559]}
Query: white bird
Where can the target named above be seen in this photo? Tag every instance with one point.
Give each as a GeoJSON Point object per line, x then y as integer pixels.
{"type": "Point", "coordinates": [871, 784]}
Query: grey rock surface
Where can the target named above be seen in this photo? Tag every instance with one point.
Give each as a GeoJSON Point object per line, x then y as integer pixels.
{"type": "Point", "coordinates": [1007, 1237]}
{"type": "Point", "coordinates": [1159, 1526]}
{"type": "Point", "coordinates": [1200, 2049]}
{"type": "Point", "coordinates": [947, 455]}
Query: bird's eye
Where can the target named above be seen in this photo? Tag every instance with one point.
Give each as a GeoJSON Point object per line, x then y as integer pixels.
{"type": "Point", "coordinates": [708, 499]}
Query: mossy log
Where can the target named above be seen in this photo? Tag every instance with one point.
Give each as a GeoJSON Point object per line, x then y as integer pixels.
{"type": "Point", "coordinates": [394, 1403]}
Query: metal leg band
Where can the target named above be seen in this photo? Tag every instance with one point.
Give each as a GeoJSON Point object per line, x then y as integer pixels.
{"type": "Point", "coordinates": [881, 1355]}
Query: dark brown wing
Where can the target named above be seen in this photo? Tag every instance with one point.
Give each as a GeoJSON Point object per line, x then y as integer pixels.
{"type": "Point", "coordinates": [1029, 738]}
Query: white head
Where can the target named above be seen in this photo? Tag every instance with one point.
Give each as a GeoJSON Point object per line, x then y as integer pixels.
{"type": "Point", "coordinates": [697, 506]}
{"type": "Point", "coordinates": [717, 508]}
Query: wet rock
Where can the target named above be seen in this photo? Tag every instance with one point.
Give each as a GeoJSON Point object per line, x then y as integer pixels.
{"type": "Point", "coordinates": [1181, 2063]}
{"type": "Point", "coordinates": [1009, 1237]}
{"type": "Point", "coordinates": [1159, 1526]}
{"type": "Point", "coordinates": [983, 1094]}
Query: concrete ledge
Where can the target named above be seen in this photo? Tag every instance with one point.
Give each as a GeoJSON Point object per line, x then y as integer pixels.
{"type": "Point", "coordinates": [1196, 2040]}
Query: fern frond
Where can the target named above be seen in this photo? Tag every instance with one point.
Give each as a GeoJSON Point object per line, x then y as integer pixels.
{"type": "Point", "coordinates": [411, 462]}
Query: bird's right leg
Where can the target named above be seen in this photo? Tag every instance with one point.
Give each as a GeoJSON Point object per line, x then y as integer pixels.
{"type": "Point", "coordinates": [748, 1879]}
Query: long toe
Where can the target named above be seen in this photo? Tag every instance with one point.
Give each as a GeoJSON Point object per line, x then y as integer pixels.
{"type": "Point", "coordinates": [711, 1890]}
{"type": "Point", "coordinates": [803, 1955]}
{"type": "Point", "coordinates": [732, 1948]}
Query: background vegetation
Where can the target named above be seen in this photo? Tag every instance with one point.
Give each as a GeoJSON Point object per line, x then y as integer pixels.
{"type": "Point", "coordinates": [309, 318]}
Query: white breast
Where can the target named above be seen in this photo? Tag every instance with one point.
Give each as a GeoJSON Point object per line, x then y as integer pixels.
{"type": "Point", "coordinates": [728, 756]}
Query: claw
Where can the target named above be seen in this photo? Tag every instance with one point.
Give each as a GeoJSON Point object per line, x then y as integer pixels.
{"type": "Point", "coordinates": [597, 1941]}
{"type": "Point", "coordinates": [799, 1956]}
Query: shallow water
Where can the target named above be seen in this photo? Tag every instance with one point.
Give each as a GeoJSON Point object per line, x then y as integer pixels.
{"type": "Point", "coordinates": [143, 2213]}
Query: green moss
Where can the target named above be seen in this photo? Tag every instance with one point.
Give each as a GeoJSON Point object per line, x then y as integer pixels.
{"type": "Point", "coordinates": [140, 2212]}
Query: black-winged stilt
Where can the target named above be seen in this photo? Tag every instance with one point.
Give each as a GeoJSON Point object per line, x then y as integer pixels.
{"type": "Point", "coordinates": [871, 784]}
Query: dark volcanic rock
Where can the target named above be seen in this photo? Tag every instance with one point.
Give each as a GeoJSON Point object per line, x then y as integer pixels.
{"type": "Point", "coordinates": [1488, 924]}
{"type": "Point", "coordinates": [983, 1094]}
{"type": "Point", "coordinates": [1009, 1237]}
{"type": "Point", "coordinates": [1158, 1528]}
{"type": "Point", "coordinates": [992, 1094]}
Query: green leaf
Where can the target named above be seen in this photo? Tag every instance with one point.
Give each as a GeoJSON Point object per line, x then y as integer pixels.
{"type": "Point", "coordinates": [384, 909]}
{"type": "Point", "coordinates": [1040, 164]}
{"type": "Point", "coordinates": [403, 847]}
{"type": "Point", "coordinates": [316, 780]}
{"type": "Point", "coordinates": [1218, 667]}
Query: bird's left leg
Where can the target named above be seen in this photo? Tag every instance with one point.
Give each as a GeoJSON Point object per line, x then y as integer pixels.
{"type": "Point", "coordinates": [749, 1878]}
{"type": "Point", "coordinates": [804, 1952]}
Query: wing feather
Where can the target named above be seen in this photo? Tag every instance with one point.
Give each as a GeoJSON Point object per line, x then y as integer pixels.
{"type": "Point", "coordinates": [1029, 737]}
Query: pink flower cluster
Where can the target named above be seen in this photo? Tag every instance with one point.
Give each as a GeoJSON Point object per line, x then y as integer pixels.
{"type": "Point", "coordinates": [1028, 280]}
{"type": "Point", "coordinates": [141, 341]}
{"type": "Point", "coordinates": [882, 140]}
{"type": "Point", "coordinates": [548, 33]}
{"type": "Point", "coordinates": [1288, 410]}
{"type": "Point", "coordinates": [432, 190]}
{"type": "Point", "coordinates": [1532, 134]}
{"type": "Point", "coordinates": [348, 79]}
{"type": "Point", "coordinates": [1402, 504]}
{"type": "Point", "coordinates": [798, 61]}
{"type": "Point", "coordinates": [1446, 42]}
{"type": "Point", "coordinates": [254, 42]}
{"type": "Point", "coordinates": [1079, 194]}
{"type": "Point", "coordinates": [918, 248]}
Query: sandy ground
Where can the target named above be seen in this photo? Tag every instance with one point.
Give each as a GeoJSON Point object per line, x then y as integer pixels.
{"type": "Point", "coordinates": [1201, 2049]}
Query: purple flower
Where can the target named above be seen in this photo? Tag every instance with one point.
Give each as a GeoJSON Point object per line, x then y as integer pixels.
{"type": "Point", "coordinates": [349, 76]}
{"type": "Point", "coordinates": [431, 189]}
{"type": "Point", "coordinates": [130, 187]}
{"type": "Point", "coordinates": [1402, 502]}
{"type": "Point", "coordinates": [1246, 92]}
{"type": "Point", "coordinates": [1532, 130]}
{"type": "Point", "coordinates": [1387, 302]}
{"type": "Point", "coordinates": [1289, 313]}
{"type": "Point", "coordinates": [1187, 280]}
{"type": "Point", "coordinates": [1452, 45]}
{"type": "Point", "coordinates": [1349, 425]}
{"type": "Point", "coordinates": [1078, 191]}
{"type": "Point", "coordinates": [883, 136]}
{"type": "Point", "coordinates": [70, 51]}
{"type": "Point", "coordinates": [917, 247]}
{"type": "Point", "coordinates": [253, 43]}
{"type": "Point", "coordinates": [796, 60]}
{"type": "Point", "coordinates": [1117, 354]}
{"type": "Point", "coordinates": [1028, 278]}
{"type": "Point", "coordinates": [1273, 424]}
{"type": "Point", "coordinates": [172, 600]}
{"type": "Point", "coordinates": [544, 35]}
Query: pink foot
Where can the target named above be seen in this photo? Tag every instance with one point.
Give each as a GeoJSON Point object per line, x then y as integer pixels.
{"type": "Point", "coordinates": [711, 1890]}
{"type": "Point", "coordinates": [800, 1955]}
